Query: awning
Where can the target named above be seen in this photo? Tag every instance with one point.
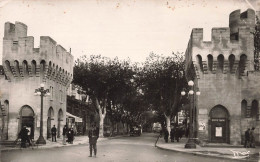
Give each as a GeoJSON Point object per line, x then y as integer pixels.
{"type": "Point", "coordinates": [77, 119]}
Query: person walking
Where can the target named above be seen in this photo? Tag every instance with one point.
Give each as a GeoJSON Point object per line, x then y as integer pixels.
{"type": "Point", "coordinates": [93, 135]}
{"type": "Point", "coordinates": [53, 133]}
{"type": "Point", "coordinates": [172, 134]}
{"type": "Point", "coordinates": [247, 138]}
{"type": "Point", "coordinates": [64, 133]}
{"type": "Point", "coordinates": [252, 137]}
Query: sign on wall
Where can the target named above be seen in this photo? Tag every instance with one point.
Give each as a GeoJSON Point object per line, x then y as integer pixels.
{"type": "Point", "coordinates": [202, 125]}
{"type": "Point", "coordinates": [218, 131]}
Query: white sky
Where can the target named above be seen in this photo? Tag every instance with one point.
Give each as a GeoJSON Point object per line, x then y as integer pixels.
{"type": "Point", "coordinates": [123, 28]}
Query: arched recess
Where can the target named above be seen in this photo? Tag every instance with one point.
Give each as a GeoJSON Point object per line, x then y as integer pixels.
{"type": "Point", "coordinates": [60, 119]}
{"type": "Point", "coordinates": [16, 67]}
{"type": "Point", "coordinates": [220, 63]}
{"type": "Point", "coordinates": [210, 62]}
{"type": "Point", "coordinates": [199, 61]}
{"type": "Point", "coordinates": [8, 66]}
{"type": "Point", "coordinates": [244, 109]}
{"type": "Point", "coordinates": [219, 125]}
{"type": "Point", "coordinates": [242, 63]}
{"type": "Point", "coordinates": [27, 119]}
{"type": "Point", "coordinates": [34, 67]}
{"type": "Point", "coordinates": [25, 68]}
{"type": "Point", "coordinates": [254, 110]}
{"type": "Point", "coordinates": [42, 69]}
{"type": "Point", "coordinates": [5, 120]}
{"type": "Point", "coordinates": [231, 60]}
{"type": "Point", "coordinates": [49, 121]}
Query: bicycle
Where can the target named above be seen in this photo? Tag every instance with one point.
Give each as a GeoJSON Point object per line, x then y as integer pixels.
{"type": "Point", "coordinates": [18, 143]}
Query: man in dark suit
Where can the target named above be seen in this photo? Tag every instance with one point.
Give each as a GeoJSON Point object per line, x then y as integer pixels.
{"type": "Point", "coordinates": [53, 133]}
{"type": "Point", "coordinates": [93, 135]}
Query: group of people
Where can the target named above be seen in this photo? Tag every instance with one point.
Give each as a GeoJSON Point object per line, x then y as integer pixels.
{"type": "Point", "coordinates": [68, 135]}
{"type": "Point", "coordinates": [176, 134]}
{"type": "Point", "coordinates": [249, 138]}
{"type": "Point", "coordinates": [25, 137]}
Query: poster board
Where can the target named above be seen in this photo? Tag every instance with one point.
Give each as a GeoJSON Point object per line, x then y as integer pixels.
{"type": "Point", "coordinates": [218, 131]}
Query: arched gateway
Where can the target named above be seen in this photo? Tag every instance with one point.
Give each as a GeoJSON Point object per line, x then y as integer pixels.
{"type": "Point", "coordinates": [27, 119]}
{"type": "Point", "coordinates": [219, 124]}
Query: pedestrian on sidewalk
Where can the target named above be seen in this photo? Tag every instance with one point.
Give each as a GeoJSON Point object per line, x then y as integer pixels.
{"type": "Point", "coordinates": [177, 133]}
{"type": "Point", "coordinates": [53, 133]}
{"type": "Point", "coordinates": [24, 137]}
{"type": "Point", "coordinates": [64, 133]}
{"type": "Point", "coordinates": [93, 135]}
{"type": "Point", "coordinates": [247, 138]}
{"type": "Point", "coordinates": [172, 134]}
{"type": "Point", "coordinates": [70, 135]}
{"type": "Point", "coordinates": [252, 137]}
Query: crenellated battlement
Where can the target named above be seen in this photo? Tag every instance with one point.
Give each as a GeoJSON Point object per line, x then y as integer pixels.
{"type": "Point", "coordinates": [230, 49]}
{"type": "Point", "coordinates": [238, 19]}
{"type": "Point", "coordinates": [21, 59]}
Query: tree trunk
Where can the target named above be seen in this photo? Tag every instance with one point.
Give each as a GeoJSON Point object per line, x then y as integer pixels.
{"type": "Point", "coordinates": [101, 125]}
{"type": "Point", "coordinates": [168, 124]}
{"type": "Point", "coordinates": [102, 115]}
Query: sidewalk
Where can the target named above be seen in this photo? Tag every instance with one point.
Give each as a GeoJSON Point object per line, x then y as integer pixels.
{"type": "Point", "coordinates": [219, 152]}
{"type": "Point", "coordinates": [49, 144]}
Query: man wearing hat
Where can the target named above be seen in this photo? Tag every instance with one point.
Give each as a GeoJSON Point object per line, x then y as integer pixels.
{"type": "Point", "coordinates": [93, 135]}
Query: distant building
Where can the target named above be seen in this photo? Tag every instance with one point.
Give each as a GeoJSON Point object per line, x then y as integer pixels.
{"type": "Point", "coordinates": [80, 112]}
{"type": "Point", "coordinates": [24, 69]}
{"type": "Point", "coordinates": [223, 70]}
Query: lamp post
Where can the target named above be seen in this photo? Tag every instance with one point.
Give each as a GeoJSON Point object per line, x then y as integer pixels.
{"type": "Point", "coordinates": [41, 92]}
{"type": "Point", "coordinates": [191, 140]}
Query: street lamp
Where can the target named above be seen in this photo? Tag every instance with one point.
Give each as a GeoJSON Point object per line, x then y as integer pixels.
{"type": "Point", "coordinates": [41, 92]}
{"type": "Point", "coordinates": [191, 140]}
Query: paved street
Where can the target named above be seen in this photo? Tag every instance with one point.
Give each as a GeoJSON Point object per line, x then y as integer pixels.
{"type": "Point", "coordinates": [116, 149]}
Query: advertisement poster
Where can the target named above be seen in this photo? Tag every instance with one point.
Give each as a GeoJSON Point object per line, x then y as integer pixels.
{"type": "Point", "coordinates": [218, 131]}
{"type": "Point", "coordinates": [202, 126]}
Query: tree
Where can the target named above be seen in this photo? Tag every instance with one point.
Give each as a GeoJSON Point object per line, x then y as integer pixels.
{"type": "Point", "coordinates": [105, 80]}
{"type": "Point", "coordinates": [162, 80]}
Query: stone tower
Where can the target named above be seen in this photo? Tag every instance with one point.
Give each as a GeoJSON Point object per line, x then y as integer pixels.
{"type": "Point", "coordinates": [223, 71]}
{"type": "Point", "coordinates": [24, 69]}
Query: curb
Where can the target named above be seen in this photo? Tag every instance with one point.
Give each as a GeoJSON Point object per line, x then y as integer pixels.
{"type": "Point", "coordinates": [47, 147]}
{"type": "Point", "coordinates": [200, 154]}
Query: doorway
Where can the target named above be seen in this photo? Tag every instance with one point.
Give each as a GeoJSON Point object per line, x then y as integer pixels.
{"type": "Point", "coordinates": [27, 119]}
{"type": "Point", "coordinates": [219, 125]}
{"type": "Point", "coordinates": [49, 119]}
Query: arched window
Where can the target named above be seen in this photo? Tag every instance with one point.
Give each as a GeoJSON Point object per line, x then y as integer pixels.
{"type": "Point", "coordinates": [210, 62]}
{"type": "Point", "coordinates": [16, 67]}
{"type": "Point", "coordinates": [199, 62]}
{"type": "Point", "coordinates": [244, 113]}
{"type": "Point", "coordinates": [242, 63]}
{"type": "Point", "coordinates": [254, 109]}
{"type": "Point", "coordinates": [220, 63]}
{"type": "Point", "coordinates": [25, 68]}
{"type": "Point", "coordinates": [33, 67]}
{"type": "Point", "coordinates": [231, 60]}
{"type": "Point", "coordinates": [42, 68]}
{"type": "Point", "coordinates": [8, 66]}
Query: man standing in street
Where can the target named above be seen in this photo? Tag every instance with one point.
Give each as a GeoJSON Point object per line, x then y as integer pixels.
{"type": "Point", "coordinates": [252, 138]}
{"type": "Point", "coordinates": [53, 133]}
{"type": "Point", "coordinates": [247, 138]}
{"type": "Point", "coordinates": [64, 133]}
{"type": "Point", "coordinates": [93, 135]}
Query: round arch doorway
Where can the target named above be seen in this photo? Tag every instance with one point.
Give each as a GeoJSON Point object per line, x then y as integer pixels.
{"type": "Point", "coordinates": [219, 124]}
{"type": "Point", "coordinates": [50, 118]}
{"type": "Point", "coordinates": [27, 119]}
{"type": "Point", "coordinates": [60, 119]}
